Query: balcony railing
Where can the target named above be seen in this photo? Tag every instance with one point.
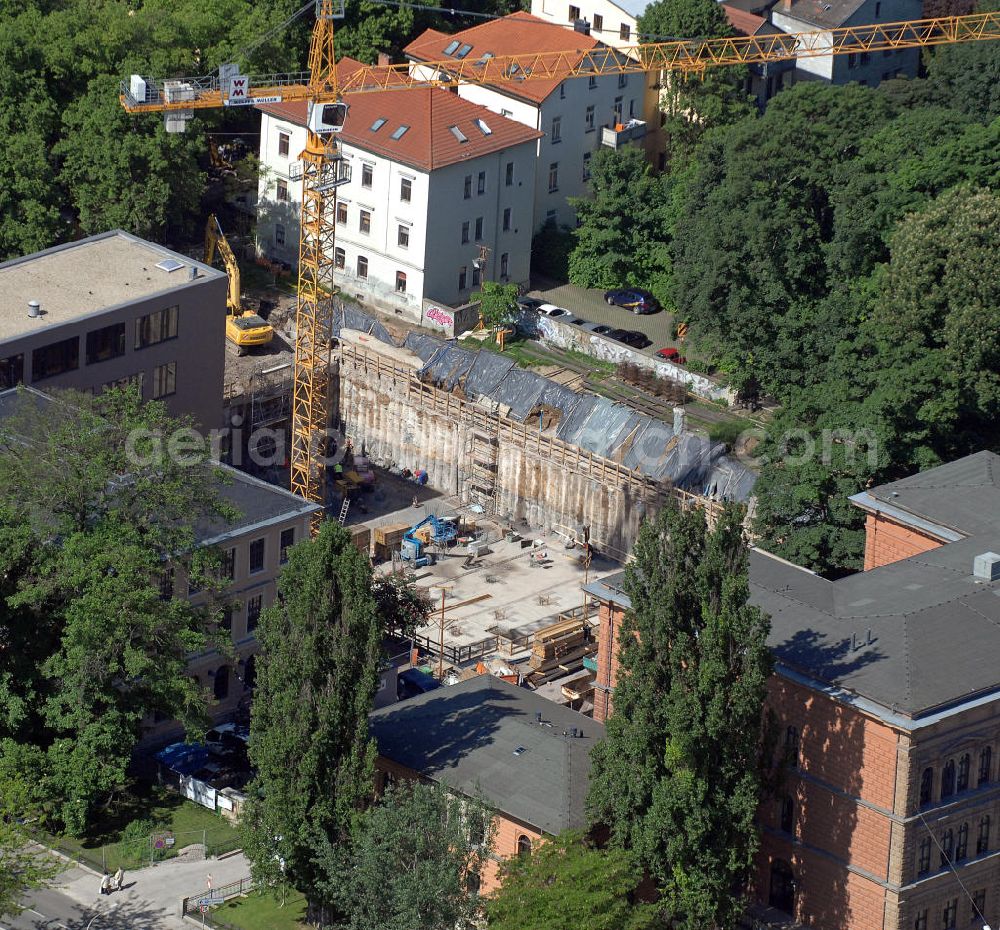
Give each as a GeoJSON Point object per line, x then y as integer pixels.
{"type": "Point", "coordinates": [616, 136]}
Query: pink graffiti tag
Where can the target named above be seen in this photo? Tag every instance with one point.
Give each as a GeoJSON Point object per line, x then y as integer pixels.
{"type": "Point", "coordinates": [439, 316]}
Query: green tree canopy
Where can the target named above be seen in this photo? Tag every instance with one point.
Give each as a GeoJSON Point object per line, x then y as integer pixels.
{"type": "Point", "coordinates": [622, 235]}
{"type": "Point", "coordinates": [497, 304]}
{"type": "Point", "coordinates": [317, 673]}
{"type": "Point", "coordinates": [568, 882]}
{"type": "Point", "coordinates": [678, 778]}
{"type": "Point", "coordinates": [409, 861]}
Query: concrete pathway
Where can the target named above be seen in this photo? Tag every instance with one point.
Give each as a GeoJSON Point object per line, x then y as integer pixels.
{"type": "Point", "coordinates": [151, 897]}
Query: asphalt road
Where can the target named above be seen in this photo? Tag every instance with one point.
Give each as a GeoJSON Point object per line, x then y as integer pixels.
{"type": "Point", "coordinates": [590, 305]}
{"type": "Point", "coordinates": [49, 909]}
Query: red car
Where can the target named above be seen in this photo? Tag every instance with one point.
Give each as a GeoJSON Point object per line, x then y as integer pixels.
{"type": "Point", "coordinates": [671, 355]}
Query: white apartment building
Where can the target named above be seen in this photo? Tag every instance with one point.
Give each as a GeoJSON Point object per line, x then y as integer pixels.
{"type": "Point", "coordinates": [569, 114]}
{"type": "Point", "coordinates": [434, 180]}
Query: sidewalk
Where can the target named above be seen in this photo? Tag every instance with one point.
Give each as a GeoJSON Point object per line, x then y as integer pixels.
{"type": "Point", "coordinates": [155, 892]}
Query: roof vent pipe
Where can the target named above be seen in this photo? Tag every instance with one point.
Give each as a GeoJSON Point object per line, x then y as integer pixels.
{"type": "Point", "coordinates": [34, 309]}
{"type": "Point", "coordinates": [192, 273]}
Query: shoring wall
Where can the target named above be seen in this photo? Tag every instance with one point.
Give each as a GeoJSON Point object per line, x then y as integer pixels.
{"type": "Point", "coordinates": [404, 423]}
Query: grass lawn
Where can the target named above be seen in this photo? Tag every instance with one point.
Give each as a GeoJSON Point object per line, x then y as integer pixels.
{"type": "Point", "coordinates": [168, 811]}
{"type": "Point", "coordinates": [263, 912]}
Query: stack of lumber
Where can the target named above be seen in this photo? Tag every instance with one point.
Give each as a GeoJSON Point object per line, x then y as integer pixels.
{"type": "Point", "coordinates": [562, 645]}
{"type": "Point", "coordinates": [387, 539]}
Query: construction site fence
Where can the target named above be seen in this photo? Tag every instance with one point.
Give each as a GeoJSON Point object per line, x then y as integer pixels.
{"type": "Point", "coordinates": [138, 854]}
{"type": "Point", "coordinates": [529, 437]}
{"type": "Point", "coordinates": [458, 655]}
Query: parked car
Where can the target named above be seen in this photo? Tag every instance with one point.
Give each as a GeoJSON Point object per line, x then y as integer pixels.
{"type": "Point", "coordinates": [413, 682]}
{"type": "Point", "coordinates": [600, 329]}
{"type": "Point", "coordinates": [631, 337]}
{"type": "Point", "coordinates": [671, 355]}
{"type": "Point", "coordinates": [576, 321]}
{"type": "Point", "coordinates": [529, 303]}
{"type": "Point", "coordinates": [632, 298]}
{"type": "Point", "coordinates": [552, 310]}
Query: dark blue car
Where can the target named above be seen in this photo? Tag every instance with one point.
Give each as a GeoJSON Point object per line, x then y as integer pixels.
{"type": "Point", "coordinates": [633, 298]}
{"type": "Point", "coordinates": [413, 682]}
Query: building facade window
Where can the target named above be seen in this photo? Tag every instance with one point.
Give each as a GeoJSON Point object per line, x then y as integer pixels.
{"type": "Point", "coordinates": [589, 120]}
{"type": "Point", "coordinates": [400, 282]}
{"type": "Point", "coordinates": [339, 257]}
{"type": "Point", "coordinates": [226, 618]}
{"type": "Point", "coordinates": [229, 564]}
{"type": "Point", "coordinates": [405, 190]}
{"type": "Point", "coordinates": [920, 923]}
{"type": "Point", "coordinates": [465, 231]}
{"type": "Point", "coordinates": [985, 765]}
{"type": "Point", "coordinates": [556, 135]}
{"type": "Point", "coordinates": [947, 848]}
{"type": "Point", "coordinates": [948, 779]}
{"type": "Point", "coordinates": [365, 221]}
{"type": "Point", "coordinates": [924, 856]}
{"type": "Point", "coordinates": [254, 605]}
{"type": "Point", "coordinates": [403, 236]}
{"type": "Point", "coordinates": [574, 13]}
{"type": "Point", "coordinates": [341, 213]}
{"type": "Point", "coordinates": [979, 905]}
{"type": "Point", "coordinates": [586, 166]}
{"type": "Point", "coordinates": [553, 177]}
{"type": "Point", "coordinates": [524, 845]}
{"type": "Point", "coordinates": [287, 540]}
{"type": "Point", "coordinates": [926, 787]}
{"type": "Point", "coordinates": [55, 359]}
{"type": "Point", "coordinates": [983, 840]}
{"type": "Point", "coordinates": [362, 267]}
{"type": "Point", "coordinates": [11, 371]}
{"type": "Point", "coordinates": [479, 228]}
{"type": "Point", "coordinates": [481, 183]}
{"type": "Point", "coordinates": [506, 219]}
{"type": "Point", "coordinates": [283, 141]}
{"type": "Point", "coordinates": [787, 818]}
{"type": "Point", "coordinates": [509, 174]}
{"type": "Point", "coordinates": [463, 273]}
{"type": "Point", "coordinates": [367, 174]}
{"type": "Point", "coordinates": [962, 846]}
{"type": "Point", "coordinates": [625, 33]}
{"type": "Point", "coordinates": [279, 234]}
{"type": "Point", "coordinates": [164, 380]}
{"type": "Point", "coordinates": [504, 264]}
{"type": "Point", "coordinates": [949, 915]}
{"type": "Point", "coordinates": [618, 109]}
{"type": "Point", "coordinates": [467, 187]}
{"type": "Point", "coordinates": [257, 549]}
{"type": "Point", "coordinates": [622, 81]}
{"type": "Point", "coordinates": [592, 83]}
{"type": "Point", "coordinates": [156, 327]}
{"type": "Point", "coordinates": [281, 186]}
{"type": "Point", "coordinates": [562, 91]}
{"type": "Point", "coordinates": [166, 584]}
{"type": "Point", "coordinates": [105, 343]}
{"type": "Point", "coordinates": [476, 276]}
{"type": "Point", "coordinates": [598, 22]}
{"type": "Point", "coordinates": [962, 783]}
{"type": "Point", "coordinates": [220, 683]}
{"type": "Point", "coordinates": [792, 747]}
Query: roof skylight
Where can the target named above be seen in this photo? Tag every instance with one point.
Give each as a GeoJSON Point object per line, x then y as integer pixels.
{"type": "Point", "coordinates": [400, 131]}
{"type": "Point", "coordinates": [452, 46]}
{"type": "Point", "coordinates": [463, 51]}
{"type": "Point", "coordinates": [378, 124]}
{"type": "Point", "coordinates": [482, 127]}
{"type": "Point", "coordinates": [458, 134]}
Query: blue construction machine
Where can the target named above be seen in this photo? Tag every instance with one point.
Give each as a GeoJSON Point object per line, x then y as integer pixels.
{"type": "Point", "coordinates": [428, 530]}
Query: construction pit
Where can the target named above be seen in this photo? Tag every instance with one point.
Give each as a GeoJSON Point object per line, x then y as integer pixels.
{"type": "Point", "coordinates": [501, 598]}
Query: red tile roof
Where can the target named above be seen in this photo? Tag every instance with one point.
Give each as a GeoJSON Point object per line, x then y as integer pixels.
{"type": "Point", "coordinates": [430, 114]}
{"type": "Point", "coordinates": [742, 21]}
{"type": "Point", "coordinates": [518, 33]}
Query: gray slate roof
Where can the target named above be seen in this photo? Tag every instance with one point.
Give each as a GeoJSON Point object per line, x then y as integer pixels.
{"type": "Point", "coordinates": [935, 629]}
{"type": "Point", "coordinates": [464, 736]}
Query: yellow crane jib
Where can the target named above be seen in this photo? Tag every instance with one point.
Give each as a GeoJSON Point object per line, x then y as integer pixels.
{"type": "Point", "coordinates": [244, 328]}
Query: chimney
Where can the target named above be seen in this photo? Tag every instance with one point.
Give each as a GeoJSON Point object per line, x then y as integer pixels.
{"type": "Point", "coordinates": [34, 309]}
{"type": "Point", "coordinates": [986, 567]}
{"type": "Point", "coordinates": [680, 415]}
{"type": "Point", "coordinates": [383, 59]}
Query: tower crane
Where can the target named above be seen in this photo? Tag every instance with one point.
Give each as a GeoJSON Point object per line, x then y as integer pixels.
{"type": "Point", "coordinates": [322, 168]}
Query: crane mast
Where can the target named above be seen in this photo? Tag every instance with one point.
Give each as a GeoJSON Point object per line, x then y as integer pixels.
{"type": "Point", "coordinates": [321, 174]}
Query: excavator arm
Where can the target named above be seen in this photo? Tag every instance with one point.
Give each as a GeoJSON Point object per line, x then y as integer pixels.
{"type": "Point", "coordinates": [216, 239]}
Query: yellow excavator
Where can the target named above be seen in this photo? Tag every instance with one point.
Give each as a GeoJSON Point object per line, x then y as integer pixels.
{"type": "Point", "coordinates": [244, 328]}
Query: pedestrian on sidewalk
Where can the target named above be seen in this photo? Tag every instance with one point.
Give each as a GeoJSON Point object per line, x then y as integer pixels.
{"type": "Point", "coordinates": [119, 878]}
{"type": "Point", "coordinates": [106, 884]}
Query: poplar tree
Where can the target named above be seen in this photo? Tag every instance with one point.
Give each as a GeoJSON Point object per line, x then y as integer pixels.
{"type": "Point", "coordinates": [679, 777]}
{"type": "Point", "coordinates": [317, 673]}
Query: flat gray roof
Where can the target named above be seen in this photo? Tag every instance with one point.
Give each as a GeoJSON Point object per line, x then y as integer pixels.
{"type": "Point", "coordinates": [465, 736]}
{"type": "Point", "coordinates": [935, 628]}
{"type": "Point", "coordinates": [78, 279]}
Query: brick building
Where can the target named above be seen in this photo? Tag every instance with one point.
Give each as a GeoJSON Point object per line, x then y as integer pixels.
{"type": "Point", "coordinates": [526, 757]}
{"type": "Point", "coordinates": [887, 693]}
